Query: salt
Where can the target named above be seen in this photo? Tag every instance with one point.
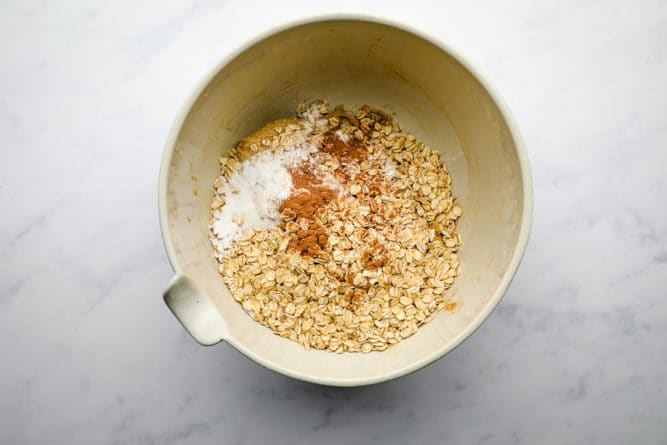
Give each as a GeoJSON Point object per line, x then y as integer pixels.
{"type": "Point", "coordinates": [253, 194]}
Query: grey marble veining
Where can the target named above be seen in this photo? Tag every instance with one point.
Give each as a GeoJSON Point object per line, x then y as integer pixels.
{"type": "Point", "coordinates": [574, 354]}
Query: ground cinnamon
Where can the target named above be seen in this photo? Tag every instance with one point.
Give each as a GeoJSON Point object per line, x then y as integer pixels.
{"type": "Point", "coordinates": [352, 150]}
{"type": "Point", "coordinates": [375, 256]}
{"type": "Point", "coordinates": [376, 115]}
{"type": "Point", "coordinates": [309, 196]}
{"type": "Point", "coordinates": [309, 242]}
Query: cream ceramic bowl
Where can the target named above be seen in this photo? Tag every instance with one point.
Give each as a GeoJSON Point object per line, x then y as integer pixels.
{"type": "Point", "coordinates": [351, 61]}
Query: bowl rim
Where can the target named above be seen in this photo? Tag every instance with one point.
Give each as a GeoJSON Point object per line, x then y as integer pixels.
{"type": "Point", "coordinates": [524, 167]}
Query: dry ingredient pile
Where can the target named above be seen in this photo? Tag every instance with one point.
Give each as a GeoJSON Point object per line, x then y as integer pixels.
{"type": "Point", "coordinates": [336, 229]}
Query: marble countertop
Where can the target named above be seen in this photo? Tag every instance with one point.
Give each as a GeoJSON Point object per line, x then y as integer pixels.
{"type": "Point", "coordinates": [576, 352]}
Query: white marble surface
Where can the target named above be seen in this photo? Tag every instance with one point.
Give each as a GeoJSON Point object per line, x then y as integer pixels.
{"type": "Point", "coordinates": [576, 352]}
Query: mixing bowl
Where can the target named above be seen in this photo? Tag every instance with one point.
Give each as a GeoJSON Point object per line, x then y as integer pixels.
{"type": "Point", "coordinates": [353, 61]}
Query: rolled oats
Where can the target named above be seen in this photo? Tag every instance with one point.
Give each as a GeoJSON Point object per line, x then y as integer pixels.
{"type": "Point", "coordinates": [391, 250]}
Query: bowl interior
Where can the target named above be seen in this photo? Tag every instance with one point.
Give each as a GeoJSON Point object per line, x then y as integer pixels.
{"type": "Point", "coordinates": [434, 96]}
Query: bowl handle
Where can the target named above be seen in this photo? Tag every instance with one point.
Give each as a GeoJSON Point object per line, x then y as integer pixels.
{"type": "Point", "coordinates": [195, 310]}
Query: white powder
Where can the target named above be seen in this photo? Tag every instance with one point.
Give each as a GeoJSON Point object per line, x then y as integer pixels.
{"type": "Point", "coordinates": [314, 111]}
{"type": "Point", "coordinates": [342, 135]}
{"type": "Point", "coordinates": [389, 169]}
{"type": "Point", "coordinates": [253, 194]}
{"type": "Point", "coordinates": [328, 180]}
